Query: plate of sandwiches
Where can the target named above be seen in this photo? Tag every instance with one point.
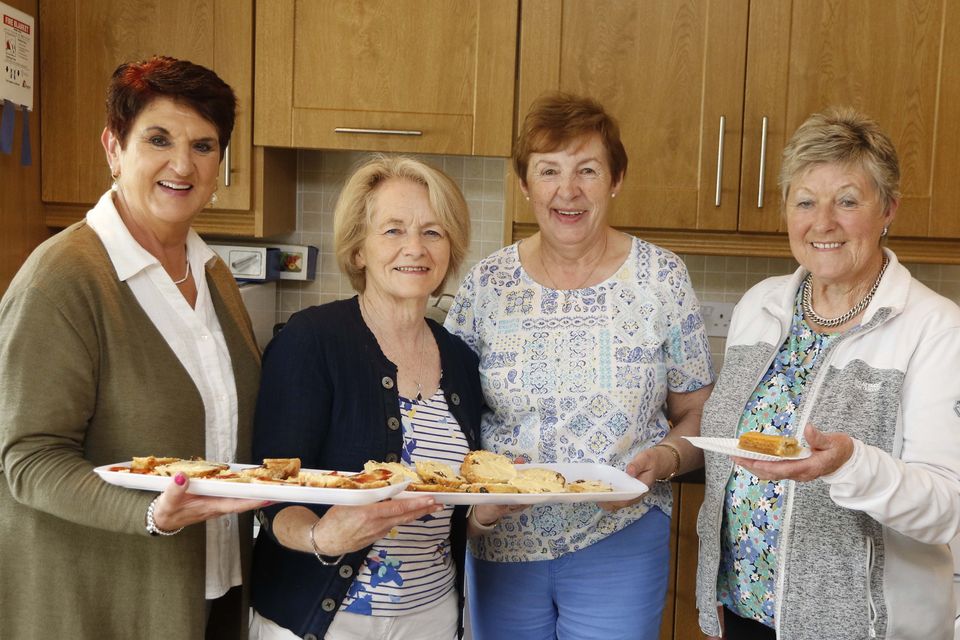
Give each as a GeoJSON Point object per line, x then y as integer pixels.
{"type": "Point", "coordinates": [490, 478]}
{"type": "Point", "coordinates": [754, 445]}
{"type": "Point", "coordinates": [277, 480]}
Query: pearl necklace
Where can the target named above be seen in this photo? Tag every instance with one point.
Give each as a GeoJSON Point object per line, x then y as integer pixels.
{"type": "Point", "coordinates": [839, 320]}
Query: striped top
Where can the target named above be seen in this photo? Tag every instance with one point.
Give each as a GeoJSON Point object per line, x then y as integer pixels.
{"type": "Point", "coordinates": [411, 568]}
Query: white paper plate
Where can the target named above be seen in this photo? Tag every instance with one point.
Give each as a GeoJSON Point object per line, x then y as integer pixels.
{"type": "Point", "coordinates": [728, 447]}
{"type": "Point", "coordinates": [256, 491]}
{"type": "Point", "coordinates": [624, 487]}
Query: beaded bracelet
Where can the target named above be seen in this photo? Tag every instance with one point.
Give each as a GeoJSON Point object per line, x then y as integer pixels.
{"type": "Point", "coordinates": [316, 551]}
{"type": "Point", "coordinates": [152, 527]}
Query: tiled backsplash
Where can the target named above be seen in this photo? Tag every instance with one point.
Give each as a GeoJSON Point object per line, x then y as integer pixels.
{"type": "Point", "coordinates": [321, 173]}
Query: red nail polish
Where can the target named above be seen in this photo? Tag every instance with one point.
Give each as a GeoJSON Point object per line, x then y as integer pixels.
{"type": "Point", "coordinates": [180, 479]}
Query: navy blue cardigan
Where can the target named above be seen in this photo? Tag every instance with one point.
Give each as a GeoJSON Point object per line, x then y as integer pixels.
{"type": "Point", "coordinates": [328, 395]}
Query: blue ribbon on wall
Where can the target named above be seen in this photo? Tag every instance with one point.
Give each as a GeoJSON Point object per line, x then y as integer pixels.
{"type": "Point", "coordinates": [25, 139]}
{"type": "Point", "coordinates": [6, 127]}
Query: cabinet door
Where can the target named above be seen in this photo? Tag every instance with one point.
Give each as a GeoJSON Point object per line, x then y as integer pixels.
{"type": "Point", "coordinates": [668, 71]}
{"type": "Point", "coordinates": [429, 76]}
{"type": "Point", "coordinates": [895, 61]}
{"type": "Point", "coordinates": [83, 41]}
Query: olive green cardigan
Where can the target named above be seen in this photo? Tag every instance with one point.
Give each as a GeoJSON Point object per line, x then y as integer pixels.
{"type": "Point", "coordinates": [86, 379]}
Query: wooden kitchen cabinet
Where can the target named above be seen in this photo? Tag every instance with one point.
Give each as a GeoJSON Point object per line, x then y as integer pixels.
{"type": "Point", "coordinates": [83, 41]}
{"type": "Point", "coordinates": [432, 76]}
{"type": "Point", "coordinates": [671, 70]}
{"type": "Point", "coordinates": [680, 618]}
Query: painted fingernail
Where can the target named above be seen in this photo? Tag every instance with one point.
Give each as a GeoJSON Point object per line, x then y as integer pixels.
{"type": "Point", "coordinates": [180, 479]}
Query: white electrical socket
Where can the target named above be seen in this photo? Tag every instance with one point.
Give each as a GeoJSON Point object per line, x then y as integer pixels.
{"type": "Point", "coordinates": [716, 317]}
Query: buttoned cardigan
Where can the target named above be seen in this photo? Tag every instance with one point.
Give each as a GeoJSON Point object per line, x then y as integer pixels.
{"type": "Point", "coordinates": [328, 395]}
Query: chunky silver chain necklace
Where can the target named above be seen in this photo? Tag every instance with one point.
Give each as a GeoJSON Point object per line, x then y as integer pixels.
{"type": "Point", "coordinates": [839, 320]}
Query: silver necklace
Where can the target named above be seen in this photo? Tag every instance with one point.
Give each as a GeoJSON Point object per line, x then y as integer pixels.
{"type": "Point", "coordinates": [553, 282]}
{"type": "Point", "coordinates": [185, 276]}
{"type": "Point", "coordinates": [839, 320]}
{"type": "Point", "coordinates": [365, 312]}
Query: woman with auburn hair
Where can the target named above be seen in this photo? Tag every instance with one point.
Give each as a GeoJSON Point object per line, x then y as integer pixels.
{"type": "Point", "coordinates": [592, 349]}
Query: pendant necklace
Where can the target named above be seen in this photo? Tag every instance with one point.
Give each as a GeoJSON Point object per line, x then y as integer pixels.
{"type": "Point", "coordinates": [185, 276]}
{"type": "Point", "coordinates": [839, 320]}
{"type": "Point", "coordinates": [553, 282]}
{"type": "Point", "coordinates": [365, 313]}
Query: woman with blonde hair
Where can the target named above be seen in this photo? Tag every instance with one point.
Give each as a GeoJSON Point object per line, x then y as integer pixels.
{"type": "Point", "coordinates": [856, 359]}
{"type": "Point", "coordinates": [370, 378]}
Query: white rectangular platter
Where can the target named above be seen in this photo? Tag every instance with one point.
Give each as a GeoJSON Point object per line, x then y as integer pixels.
{"type": "Point", "coordinates": [729, 447]}
{"type": "Point", "coordinates": [255, 491]}
{"type": "Point", "coordinates": [624, 488]}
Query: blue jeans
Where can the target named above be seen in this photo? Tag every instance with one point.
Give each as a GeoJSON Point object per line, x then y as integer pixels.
{"type": "Point", "coordinates": [612, 589]}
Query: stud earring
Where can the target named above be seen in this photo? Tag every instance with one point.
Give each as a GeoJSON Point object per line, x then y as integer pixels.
{"type": "Point", "coordinates": [613, 195]}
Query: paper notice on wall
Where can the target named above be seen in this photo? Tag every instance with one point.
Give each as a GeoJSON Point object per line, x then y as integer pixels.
{"type": "Point", "coordinates": [17, 36]}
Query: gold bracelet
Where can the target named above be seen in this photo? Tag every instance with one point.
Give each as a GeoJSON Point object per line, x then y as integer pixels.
{"type": "Point", "coordinates": [676, 455]}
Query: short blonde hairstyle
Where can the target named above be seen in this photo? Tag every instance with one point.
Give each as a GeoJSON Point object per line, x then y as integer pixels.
{"type": "Point", "coordinates": [842, 135]}
{"type": "Point", "coordinates": [354, 211]}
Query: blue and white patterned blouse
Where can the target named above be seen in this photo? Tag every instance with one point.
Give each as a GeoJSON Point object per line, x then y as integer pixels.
{"type": "Point", "coordinates": [579, 376]}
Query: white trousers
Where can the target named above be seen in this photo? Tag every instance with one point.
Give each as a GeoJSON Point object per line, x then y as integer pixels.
{"type": "Point", "coordinates": [436, 623]}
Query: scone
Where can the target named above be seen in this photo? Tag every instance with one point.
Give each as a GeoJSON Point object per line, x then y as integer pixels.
{"type": "Point", "coordinates": [433, 472]}
{"type": "Point", "coordinates": [435, 488]}
{"type": "Point", "coordinates": [538, 480]}
{"type": "Point", "coordinates": [588, 486]}
{"type": "Point", "coordinates": [400, 472]}
{"type": "Point", "coordinates": [486, 467]}
{"type": "Point", "coordinates": [491, 488]}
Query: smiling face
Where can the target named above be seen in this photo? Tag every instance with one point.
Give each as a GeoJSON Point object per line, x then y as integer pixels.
{"type": "Point", "coordinates": [570, 190]}
{"type": "Point", "coordinates": [406, 252]}
{"type": "Point", "coordinates": [168, 166]}
{"type": "Point", "coordinates": [835, 219]}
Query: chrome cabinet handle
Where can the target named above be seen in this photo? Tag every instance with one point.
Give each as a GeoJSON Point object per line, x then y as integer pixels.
{"type": "Point", "coordinates": [227, 169]}
{"type": "Point", "coordinates": [716, 199]}
{"type": "Point", "coordinates": [389, 132]}
{"type": "Point", "coordinates": [763, 161]}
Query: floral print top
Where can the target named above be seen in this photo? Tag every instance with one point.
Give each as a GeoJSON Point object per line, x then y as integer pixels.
{"type": "Point", "coordinates": [578, 376]}
{"type": "Point", "coordinates": [750, 533]}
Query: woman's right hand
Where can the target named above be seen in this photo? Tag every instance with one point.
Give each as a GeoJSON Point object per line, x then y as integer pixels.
{"type": "Point", "coordinates": [344, 528]}
{"type": "Point", "coordinates": [176, 508]}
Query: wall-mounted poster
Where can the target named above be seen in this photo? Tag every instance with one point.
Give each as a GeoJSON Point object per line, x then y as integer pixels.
{"type": "Point", "coordinates": [17, 36]}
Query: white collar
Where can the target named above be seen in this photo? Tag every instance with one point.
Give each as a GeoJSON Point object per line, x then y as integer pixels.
{"type": "Point", "coordinates": [127, 255]}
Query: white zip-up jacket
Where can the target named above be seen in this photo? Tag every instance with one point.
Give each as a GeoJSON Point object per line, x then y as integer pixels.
{"type": "Point", "coordinates": [863, 552]}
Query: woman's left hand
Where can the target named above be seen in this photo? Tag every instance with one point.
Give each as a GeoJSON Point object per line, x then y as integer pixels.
{"type": "Point", "coordinates": [176, 508]}
{"type": "Point", "coordinates": [829, 451]}
{"type": "Point", "coordinates": [647, 466]}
